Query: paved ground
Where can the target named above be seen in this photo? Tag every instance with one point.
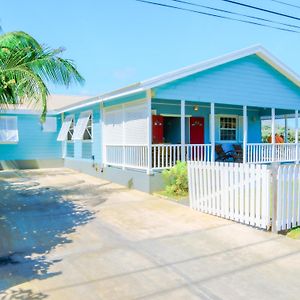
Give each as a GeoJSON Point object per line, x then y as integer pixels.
{"type": "Point", "coordinates": [65, 235]}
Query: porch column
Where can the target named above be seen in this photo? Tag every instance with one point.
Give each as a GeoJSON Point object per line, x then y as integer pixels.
{"type": "Point", "coordinates": [245, 133]}
{"type": "Point", "coordinates": [103, 135]}
{"type": "Point", "coordinates": [149, 137]}
{"type": "Point", "coordinates": [123, 138]}
{"type": "Point", "coordinates": [273, 134]}
{"type": "Point", "coordinates": [285, 129]}
{"type": "Point", "coordinates": [182, 131]}
{"type": "Point", "coordinates": [212, 131]}
{"type": "Point", "coordinates": [297, 135]}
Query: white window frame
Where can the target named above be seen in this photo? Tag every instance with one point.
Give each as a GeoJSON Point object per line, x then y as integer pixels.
{"type": "Point", "coordinates": [17, 130]}
{"type": "Point", "coordinates": [236, 128]}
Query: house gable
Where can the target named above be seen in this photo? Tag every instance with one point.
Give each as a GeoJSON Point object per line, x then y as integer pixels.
{"type": "Point", "coordinates": [246, 81]}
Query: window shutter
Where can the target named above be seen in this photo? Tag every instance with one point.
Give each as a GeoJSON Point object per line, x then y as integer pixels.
{"type": "Point", "coordinates": [136, 125]}
{"type": "Point", "coordinates": [81, 125]}
{"type": "Point", "coordinates": [62, 136]}
{"type": "Point", "coordinates": [113, 127]}
{"type": "Point", "coordinates": [9, 130]}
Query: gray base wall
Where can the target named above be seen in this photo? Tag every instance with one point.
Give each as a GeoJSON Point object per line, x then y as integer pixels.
{"type": "Point", "coordinates": [134, 179]}
{"type": "Point", "coordinates": [31, 164]}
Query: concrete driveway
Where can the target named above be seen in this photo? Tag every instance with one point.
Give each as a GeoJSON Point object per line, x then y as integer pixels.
{"type": "Point", "coordinates": [65, 235]}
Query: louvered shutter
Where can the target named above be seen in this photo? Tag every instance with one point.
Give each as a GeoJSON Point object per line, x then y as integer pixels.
{"type": "Point", "coordinates": [113, 127]}
{"type": "Point", "coordinates": [135, 118]}
{"type": "Point", "coordinates": [63, 133]}
{"type": "Point", "coordinates": [81, 125]}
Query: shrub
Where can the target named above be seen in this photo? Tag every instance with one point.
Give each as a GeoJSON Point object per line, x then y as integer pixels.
{"type": "Point", "coordinates": [176, 179]}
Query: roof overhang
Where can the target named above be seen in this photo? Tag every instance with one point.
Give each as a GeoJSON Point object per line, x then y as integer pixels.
{"type": "Point", "coordinates": [190, 70]}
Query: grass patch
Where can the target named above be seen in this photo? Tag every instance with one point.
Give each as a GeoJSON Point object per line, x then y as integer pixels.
{"type": "Point", "coordinates": [294, 233]}
{"type": "Point", "coordinates": [173, 196]}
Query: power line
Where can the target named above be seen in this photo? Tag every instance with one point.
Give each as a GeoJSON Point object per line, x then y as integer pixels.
{"type": "Point", "coordinates": [285, 3]}
{"type": "Point", "coordinates": [262, 9]}
{"type": "Point", "coordinates": [217, 16]}
{"type": "Point", "coordinates": [235, 13]}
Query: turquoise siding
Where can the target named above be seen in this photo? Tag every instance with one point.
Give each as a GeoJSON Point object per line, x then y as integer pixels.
{"type": "Point", "coordinates": [246, 81]}
{"type": "Point", "coordinates": [173, 108]}
{"type": "Point", "coordinates": [88, 150]}
{"type": "Point", "coordinates": [70, 149]}
{"type": "Point", "coordinates": [33, 143]}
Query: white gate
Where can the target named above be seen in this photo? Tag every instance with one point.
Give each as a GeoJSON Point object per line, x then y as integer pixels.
{"type": "Point", "coordinates": [288, 196]}
{"type": "Point", "coordinates": [239, 192]}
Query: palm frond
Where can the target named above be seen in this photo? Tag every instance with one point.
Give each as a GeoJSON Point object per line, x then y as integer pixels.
{"type": "Point", "coordinates": [25, 66]}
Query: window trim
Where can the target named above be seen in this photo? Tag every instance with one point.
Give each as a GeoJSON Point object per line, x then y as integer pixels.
{"type": "Point", "coordinates": [236, 129]}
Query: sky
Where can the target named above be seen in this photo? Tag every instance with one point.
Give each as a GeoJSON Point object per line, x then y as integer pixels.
{"type": "Point", "coordinates": [118, 42]}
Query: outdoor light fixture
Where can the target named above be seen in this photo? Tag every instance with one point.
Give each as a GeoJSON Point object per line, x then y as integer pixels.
{"type": "Point", "coordinates": [196, 107]}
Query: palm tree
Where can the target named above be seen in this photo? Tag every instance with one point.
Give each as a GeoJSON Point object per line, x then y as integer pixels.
{"type": "Point", "coordinates": [26, 66]}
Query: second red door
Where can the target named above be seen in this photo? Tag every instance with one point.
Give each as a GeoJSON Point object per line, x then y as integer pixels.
{"type": "Point", "coordinates": [196, 130]}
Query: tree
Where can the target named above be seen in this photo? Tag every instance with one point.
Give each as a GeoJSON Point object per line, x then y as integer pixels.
{"type": "Point", "coordinates": [26, 67]}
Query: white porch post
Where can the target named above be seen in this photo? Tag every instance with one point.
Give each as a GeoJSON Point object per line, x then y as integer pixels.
{"type": "Point", "coordinates": [149, 140]}
{"type": "Point", "coordinates": [297, 135]}
{"type": "Point", "coordinates": [102, 137]}
{"type": "Point", "coordinates": [273, 134]}
{"type": "Point", "coordinates": [182, 131]}
{"type": "Point", "coordinates": [212, 131]}
{"type": "Point", "coordinates": [285, 129]}
{"type": "Point", "coordinates": [123, 138]}
{"type": "Point", "coordinates": [245, 133]}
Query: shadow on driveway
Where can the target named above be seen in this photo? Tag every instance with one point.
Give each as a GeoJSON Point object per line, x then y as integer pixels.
{"type": "Point", "coordinates": [33, 220]}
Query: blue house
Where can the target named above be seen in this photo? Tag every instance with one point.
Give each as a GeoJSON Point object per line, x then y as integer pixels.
{"type": "Point", "coordinates": [130, 135]}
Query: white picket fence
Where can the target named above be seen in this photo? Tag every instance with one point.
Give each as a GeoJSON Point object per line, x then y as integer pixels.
{"type": "Point", "coordinates": [253, 194]}
{"type": "Point", "coordinates": [239, 192]}
{"type": "Point", "coordinates": [288, 196]}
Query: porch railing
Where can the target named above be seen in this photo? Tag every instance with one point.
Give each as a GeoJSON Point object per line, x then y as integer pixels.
{"type": "Point", "coordinates": [165, 156]}
{"type": "Point", "coordinates": [266, 153]}
{"type": "Point", "coordinates": [131, 156]}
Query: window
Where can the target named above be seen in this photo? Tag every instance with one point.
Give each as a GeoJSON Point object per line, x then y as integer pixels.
{"type": "Point", "coordinates": [70, 131]}
{"type": "Point", "coordinates": [83, 128]}
{"type": "Point", "coordinates": [228, 128]}
{"type": "Point", "coordinates": [50, 125]}
{"type": "Point", "coordinates": [9, 130]}
{"type": "Point", "coordinates": [66, 131]}
{"type": "Point", "coordinates": [88, 130]}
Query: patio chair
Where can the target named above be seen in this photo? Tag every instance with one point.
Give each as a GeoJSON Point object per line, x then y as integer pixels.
{"type": "Point", "coordinates": [237, 154]}
{"type": "Point", "coordinates": [222, 155]}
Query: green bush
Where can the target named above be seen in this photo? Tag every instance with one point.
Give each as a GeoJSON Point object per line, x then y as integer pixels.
{"type": "Point", "coordinates": [176, 179]}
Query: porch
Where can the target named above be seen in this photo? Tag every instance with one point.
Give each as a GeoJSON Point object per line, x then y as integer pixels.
{"type": "Point", "coordinates": [185, 130]}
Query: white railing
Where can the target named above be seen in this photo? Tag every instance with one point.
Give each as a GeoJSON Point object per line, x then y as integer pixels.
{"type": "Point", "coordinates": [198, 152]}
{"type": "Point", "coordinates": [265, 153]}
{"type": "Point", "coordinates": [165, 156]}
{"type": "Point", "coordinates": [239, 192]}
{"type": "Point", "coordinates": [131, 156]}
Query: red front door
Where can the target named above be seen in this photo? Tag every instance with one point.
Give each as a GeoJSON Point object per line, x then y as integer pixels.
{"type": "Point", "coordinates": [197, 130]}
{"type": "Point", "coordinates": [157, 129]}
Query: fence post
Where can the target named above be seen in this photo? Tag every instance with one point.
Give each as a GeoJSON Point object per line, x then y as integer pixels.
{"type": "Point", "coordinates": [274, 172]}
